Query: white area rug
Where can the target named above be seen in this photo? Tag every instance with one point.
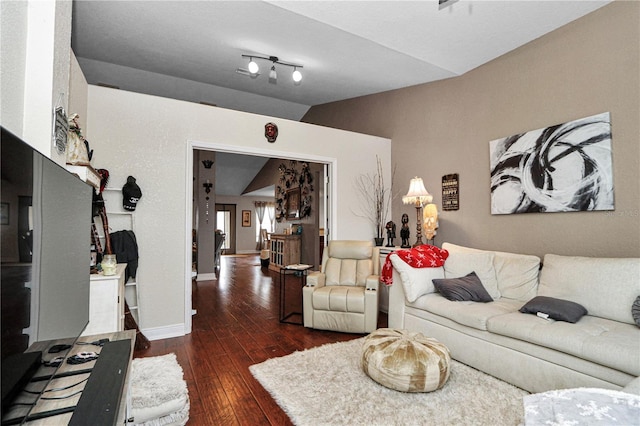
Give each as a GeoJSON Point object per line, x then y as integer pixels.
{"type": "Point", "coordinates": [159, 394]}
{"type": "Point", "coordinates": [326, 386]}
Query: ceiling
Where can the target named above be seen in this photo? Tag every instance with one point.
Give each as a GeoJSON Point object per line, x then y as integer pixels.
{"type": "Point", "coordinates": [234, 172]}
{"type": "Point", "coordinates": [190, 50]}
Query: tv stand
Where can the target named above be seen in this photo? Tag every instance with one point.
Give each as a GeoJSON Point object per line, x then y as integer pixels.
{"type": "Point", "coordinates": [103, 385]}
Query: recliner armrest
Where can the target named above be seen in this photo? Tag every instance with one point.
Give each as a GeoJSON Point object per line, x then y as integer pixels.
{"type": "Point", "coordinates": [372, 283]}
{"type": "Point", "coordinates": [316, 279]}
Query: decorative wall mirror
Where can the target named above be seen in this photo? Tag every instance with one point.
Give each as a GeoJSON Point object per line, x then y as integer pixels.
{"type": "Point", "coordinates": [293, 203]}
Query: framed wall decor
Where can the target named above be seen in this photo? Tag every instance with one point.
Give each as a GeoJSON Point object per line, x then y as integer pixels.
{"type": "Point", "coordinates": [450, 192]}
{"type": "Point", "coordinates": [246, 218]}
{"type": "Point", "coordinates": [293, 203]}
{"type": "Point", "coordinates": [566, 167]}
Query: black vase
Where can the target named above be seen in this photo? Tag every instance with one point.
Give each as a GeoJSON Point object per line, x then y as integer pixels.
{"type": "Point", "coordinates": [379, 241]}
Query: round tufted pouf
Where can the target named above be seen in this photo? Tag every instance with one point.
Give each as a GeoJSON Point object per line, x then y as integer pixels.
{"type": "Point", "coordinates": [405, 361]}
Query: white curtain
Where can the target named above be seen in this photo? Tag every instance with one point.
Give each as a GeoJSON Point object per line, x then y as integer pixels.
{"type": "Point", "coordinates": [271, 211]}
{"type": "Point", "coordinates": [260, 209]}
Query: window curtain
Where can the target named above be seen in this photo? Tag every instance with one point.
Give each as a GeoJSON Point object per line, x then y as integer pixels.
{"type": "Point", "coordinates": [260, 209]}
{"type": "Point", "coordinates": [271, 211]}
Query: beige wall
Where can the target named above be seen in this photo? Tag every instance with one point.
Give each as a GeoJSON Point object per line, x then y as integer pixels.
{"type": "Point", "coordinates": [587, 67]}
{"type": "Point", "coordinates": [152, 138]}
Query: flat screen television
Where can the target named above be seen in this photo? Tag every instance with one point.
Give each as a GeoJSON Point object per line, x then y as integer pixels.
{"type": "Point", "coordinates": [45, 257]}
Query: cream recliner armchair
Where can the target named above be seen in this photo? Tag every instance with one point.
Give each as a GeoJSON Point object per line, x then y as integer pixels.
{"type": "Point", "coordinates": [343, 295]}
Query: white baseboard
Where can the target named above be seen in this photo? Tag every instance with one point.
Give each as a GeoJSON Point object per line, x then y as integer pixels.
{"type": "Point", "coordinates": [206, 277]}
{"type": "Point", "coordinates": [157, 333]}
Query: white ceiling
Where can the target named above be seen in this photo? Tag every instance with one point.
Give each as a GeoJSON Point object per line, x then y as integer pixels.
{"type": "Point", "coordinates": [190, 50]}
{"type": "Point", "coordinates": [234, 172]}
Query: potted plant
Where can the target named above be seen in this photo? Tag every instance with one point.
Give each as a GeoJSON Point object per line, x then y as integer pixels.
{"type": "Point", "coordinates": [375, 200]}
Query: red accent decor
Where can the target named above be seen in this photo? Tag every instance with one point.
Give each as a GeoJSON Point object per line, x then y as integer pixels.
{"type": "Point", "coordinates": [423, 256]}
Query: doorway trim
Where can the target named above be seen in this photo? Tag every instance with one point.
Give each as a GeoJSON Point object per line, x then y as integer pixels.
{"type": "Point", "coordinates": [191, 145]}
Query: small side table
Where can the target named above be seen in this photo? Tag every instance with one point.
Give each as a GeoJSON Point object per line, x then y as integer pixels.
{"type": "Point", "coordinates": [296, 270]}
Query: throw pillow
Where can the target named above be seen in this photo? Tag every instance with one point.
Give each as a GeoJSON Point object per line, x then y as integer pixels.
{"type": "Point", "coordinates": [635, 311]}
{"type": "Point", "coordinates": [467, 288]}
{"type": "Point", "coordinates": [459, 264]}
{"type": "Point", "coordinates": [557, 309]}
{"type": "Point", "coordinates": [415, 281]}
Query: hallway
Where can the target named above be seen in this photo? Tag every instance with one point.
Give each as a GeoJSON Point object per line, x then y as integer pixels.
{"type": "Point", "coordinates": [237, 326]}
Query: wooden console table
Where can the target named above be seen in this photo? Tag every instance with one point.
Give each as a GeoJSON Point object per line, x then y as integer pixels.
{"type": "Point", "coordinates": [103, 382]}
{"type": "Point", "coordinates": [285, 250]}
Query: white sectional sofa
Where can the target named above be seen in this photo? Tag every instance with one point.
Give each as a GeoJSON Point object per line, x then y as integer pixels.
{"type": "Point", "coordinates": [602, 349]}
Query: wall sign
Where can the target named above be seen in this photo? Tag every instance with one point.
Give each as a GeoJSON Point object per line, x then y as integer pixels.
{"type": "Point", "coordinates": [450, 192]}
{"type": "Point", "coordinates": [60, 129]}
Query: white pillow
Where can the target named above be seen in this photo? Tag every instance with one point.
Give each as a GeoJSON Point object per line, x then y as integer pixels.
{"type": "Point", "coordinates": [459, 264]}
{"type": "Point", "coordinates": [416, 282]}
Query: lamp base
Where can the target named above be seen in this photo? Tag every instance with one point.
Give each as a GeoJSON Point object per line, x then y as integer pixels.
{"type": "Point", "coordinates": [418, 226]}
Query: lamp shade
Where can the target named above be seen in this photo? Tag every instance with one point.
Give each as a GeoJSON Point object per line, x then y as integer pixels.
{"type": "Point", "coordinates": [417, 193]}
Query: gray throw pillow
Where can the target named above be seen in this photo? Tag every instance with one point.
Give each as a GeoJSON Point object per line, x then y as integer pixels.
{"type": "Point", "coordinates": [557, 309]}
{"type": "Point", "coordinates": [464, 288]}
{"type": "Point", "coordinates": [635, 311]}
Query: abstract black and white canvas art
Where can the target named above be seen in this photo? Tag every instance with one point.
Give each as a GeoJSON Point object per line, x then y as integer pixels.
{"type": "Point", "coordinates": [561, 168]}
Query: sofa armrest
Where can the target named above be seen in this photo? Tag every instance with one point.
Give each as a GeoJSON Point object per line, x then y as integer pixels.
{"type": "Point", "coordinates": [408, 285]}
{"type": "Point", "coordinates": [397, 300]}
{"type": "Point", "coordinates": [316, 279]}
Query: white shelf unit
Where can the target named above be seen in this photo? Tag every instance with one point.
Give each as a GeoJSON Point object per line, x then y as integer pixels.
{"type": "Point", "coordinates": [121, 220]}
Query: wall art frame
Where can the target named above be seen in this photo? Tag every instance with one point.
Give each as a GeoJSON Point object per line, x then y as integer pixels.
{"type": "Point", "coordinates": [566, 167]}
{"type": "Point", "coordinates": [246, 218]}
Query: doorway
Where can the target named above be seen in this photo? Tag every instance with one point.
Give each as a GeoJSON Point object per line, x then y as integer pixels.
{"type": "Point", "coordinates": [328, 185]}
{"type": "Point", "coordinates": [226, 222]}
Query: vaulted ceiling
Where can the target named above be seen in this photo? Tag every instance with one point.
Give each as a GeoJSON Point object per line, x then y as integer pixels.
{"type": "Point", "coordinates": [190, 50]}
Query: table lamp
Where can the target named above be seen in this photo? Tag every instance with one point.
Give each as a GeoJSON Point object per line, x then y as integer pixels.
{"type": "Point", "coordinates": [417, 196]}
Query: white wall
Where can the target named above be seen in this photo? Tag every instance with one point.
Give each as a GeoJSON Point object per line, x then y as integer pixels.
{"type": "Point", "coordinates": [13, 50]}
{"type": "Point", "coordinates": [36, 46]}
{"type": "Point", "coordinates": [152, 138]}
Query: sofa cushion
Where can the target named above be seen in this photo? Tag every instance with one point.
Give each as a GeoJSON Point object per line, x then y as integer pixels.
{"type": "Point", "coordinates": [471, 314]}
{"type": "Point", "coordinates": [557, 309]}
{"type": "Point", "coordinates": [517, 274]}
{"type": "Point", "coordinates": [464, 288]}
{"type": "Point", "coordinates": [606, 342]}
{"type": "Point", "coordinates": [459, 264]}
{"type": "Point", "coordinates": [415, 281]}
{"type": "Point", "coordinates": [606, 287]}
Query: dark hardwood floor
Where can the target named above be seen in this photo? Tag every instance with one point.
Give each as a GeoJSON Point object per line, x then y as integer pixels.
{"type": "Point", "coordinates": [236, 326]}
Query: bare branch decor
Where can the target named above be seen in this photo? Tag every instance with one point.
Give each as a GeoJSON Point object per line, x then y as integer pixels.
{"type": "Point", "coordinates": [375, 198]}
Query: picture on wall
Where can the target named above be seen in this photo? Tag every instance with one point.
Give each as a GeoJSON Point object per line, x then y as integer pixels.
{"type": "Point", "coordinates": [561, 168]}
{"type": "Point", "coordinates": [246, 218]}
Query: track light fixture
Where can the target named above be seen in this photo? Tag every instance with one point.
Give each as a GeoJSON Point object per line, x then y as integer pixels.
{"type": "Point", "coordinates": [253, 68]}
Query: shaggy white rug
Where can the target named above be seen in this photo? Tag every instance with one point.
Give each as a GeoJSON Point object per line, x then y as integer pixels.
{"type": "Point", "coordinates": [326, 386]}
{"type": "Point", "coordinates": [159, 395]}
